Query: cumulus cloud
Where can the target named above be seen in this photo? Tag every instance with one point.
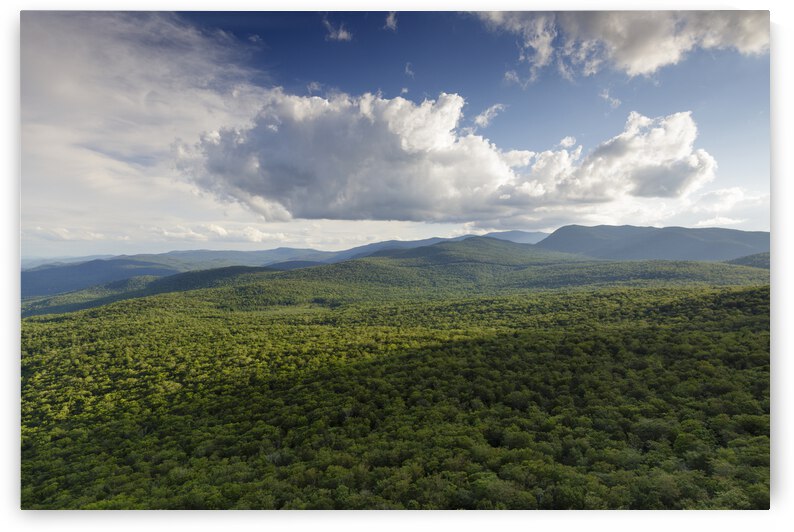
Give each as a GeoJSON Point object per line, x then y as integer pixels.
{"type": "Point", "coordinates": [369, 157]}
{"type": "Point", "coordinates": [336, 33]}
{"type": "Point", "coordinates": [349, 158]}
{"type": "Point", "coordinates": [637, 43]}
{"type": "Point", "coordinates": [484, 119]}
{"type": "Point", "coordinates": [651, 158]}
{"type": "Point", "coordinates": [391, 21]}
{"type": "Point", "coordinates": [409, 71]}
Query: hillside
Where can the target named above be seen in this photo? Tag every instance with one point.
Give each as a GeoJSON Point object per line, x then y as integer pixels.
{"type": "Point", "coordinates": [476, 265]}
{"type": "Point", "coordinates": [209, 259]}
{"type": "Point", "coordinates": [59, 278]}
{"type": "Point", "coordinates": [447, 266]}
{"type": "Point", "coordinates": [519, 237]}
{"type": "Point", "coordinates": [35, 262]}
{"type": "Point", "coordinates": [667, 243]}
{"type": "Point", "coordinates": [603, 242]}
{"type": "Point", "coordinates": [55, 279]}
{"type": "Point", "coordinates": [758, 260]}
{"type": "Point", "coordinates": [70, 277]}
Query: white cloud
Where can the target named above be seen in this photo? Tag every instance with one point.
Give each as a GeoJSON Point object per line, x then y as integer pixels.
{"type": "Point", "coordinates": [350, 158]}
{"type": "Point", "coordinates": [651, 158]}
{"type": "Point", "coordinates": [181, 233]}
{"type": "Point", "coordinates": [567, 142]}
{"type": "Point", "coordinates": [336, 34]}
{"type": "Point", "coordinates": [314, 86]}
{"type": "Point", "coordinates": [614, 103]}
{"type": "Point", "coordinates": [511, 77]}
{"type": "Point", "coordinates": [725, 206]}
{"type": "Point", "coordinates": [103, 97]}
{"type": "Point", "coordinates": [634, 42]}
{"type": "Point", "coordinates": [726, 200]}
{"type": "Point", "coordinates": [409, 71]}
{"type": "Point", "coordinates": [718, 221]}
{"type": "Point", "coordinates": [67, 234]}
{"type": "Point", "coordinates": [404, 90]}
{"type": "Point", "coordinates": [252, 234]}
{"type": "Point", "coordinates": [214, 232]}
{"type": "Point", "coordinates": [484, 119]}
{"type": "Point", "coordinates": [391, 21]}
{"type": "Point", "coordinates": [370, 157]}
{"type": "Point", "coordinates": [517, 158]}
{"type": "Point", "coordinates": [217, 230]}
{"type": "Point", "coordinates": [537, 30]}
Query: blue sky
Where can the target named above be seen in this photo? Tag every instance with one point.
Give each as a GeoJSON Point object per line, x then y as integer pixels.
{"type": "Point", "coordinates": [156, 131]}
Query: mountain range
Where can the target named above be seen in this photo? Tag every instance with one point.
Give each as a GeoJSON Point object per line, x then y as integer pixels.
{"type": "Point", "coordinates": [628, 242]}
{"type": "Point", "coordinates": [600, 242]}
{"type": "Point", "coordinates": [473, 266]}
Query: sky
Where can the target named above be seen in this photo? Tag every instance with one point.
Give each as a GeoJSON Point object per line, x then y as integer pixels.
{"type": "Point", "coordinates": [148, 132]}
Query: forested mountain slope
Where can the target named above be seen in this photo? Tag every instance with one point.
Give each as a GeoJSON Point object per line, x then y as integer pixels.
{"type": "Point", "coordinates": [44, 281]}
{"type": "Point", "coordinates": [519, 237]}
{"type": "Point", "coordinates": [476, 265]}
{"type": "Point", "coordinates": [666, 243]}
{"type": "Point", "coordinates": [758, 260]}
{"type": "Point", "coordinates": [604, 242]}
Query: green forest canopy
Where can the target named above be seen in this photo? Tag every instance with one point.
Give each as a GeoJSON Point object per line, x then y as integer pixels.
{"type": "Point", "coordinates": [643, 397]}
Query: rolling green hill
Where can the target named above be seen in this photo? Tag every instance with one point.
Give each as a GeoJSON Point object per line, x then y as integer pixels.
{"type": "Point", "coordinates": [51, 280]}
{"type": "Point", "coordinates": [483, 250]}
{"type": "Point", "coordinates": [667, 243]}
{"type": "Point", "coordinates": [758, 260]}
{"type": "Point", "coordinates": [44, 280]}
{"type": "Point", "coordinates": [601, 242]}
{"type": "Point", "coordinates": [519, 237]}
{"type": "Point", "coordinates": [58, 278]}
{"type": "Point", "coordinates": [475, 265]}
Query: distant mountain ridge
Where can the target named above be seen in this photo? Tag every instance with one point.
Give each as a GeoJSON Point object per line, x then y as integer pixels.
{"type": "Point", "coordinates": [647, 243]}
{"type": "Point", "coordinates": [185, 260]}
{"type": "Point", "coordinates": [519, 237]}
{"type": "Point", "coordinates": [66, 278]}
{"type": "Point", "coordinates": [36, 262]}
{"type": "Point", "coordinates": [475, 266]}
{"type": "Point", "coordinates": [599, 242]}
{"type": "Point", "coordinates": [56, 278]}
